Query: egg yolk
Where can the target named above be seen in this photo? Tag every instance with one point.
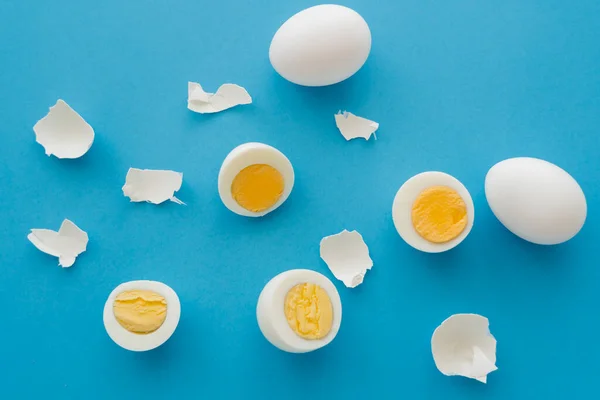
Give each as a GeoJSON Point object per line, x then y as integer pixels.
{"type": "Point", "coordinates": [257, 187]}
{"type": "Point", "coordinates": [308, 311]}
{"type": "Point", "coordinates": [140, 311]}
{"type": "Point", "coordinates": [439, 214]}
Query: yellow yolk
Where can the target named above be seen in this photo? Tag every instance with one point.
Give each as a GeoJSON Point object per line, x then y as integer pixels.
{"type": "Point", "coordinates": [140, 311]}
{"type": "Point", "coordinates": [308, 311]}
{"type": "Point", "coordinates": [439, 214]}
{"type": "Point", "coordinates": [257, 187]}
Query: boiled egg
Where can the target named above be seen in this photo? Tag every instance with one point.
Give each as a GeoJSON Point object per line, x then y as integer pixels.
{"type": "Point", "coordinates": [321, 45]}
{"type": "Point", "coordinates": [299, 311]}
{"type": "Point", "coordinates": [255, 179]}
{"type": "Point", "coordinates": [536, 200]}
{"type": "Point", "coordinates": [433, 212]}
{"type": "Point", "coordinates": [141, 315]}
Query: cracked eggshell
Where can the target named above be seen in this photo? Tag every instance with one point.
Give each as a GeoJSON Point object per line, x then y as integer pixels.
{"type": "Point", "coordinates": [248, 154]}
{"type": "Point", "coordinates": [152, 185]}
{"type": "Point", "coordinates": [347, 256]}
{"type": "Point", "coordinates": [66, 244]}
{"type": "Point", "coordinates": [536, 200]}
{"type": "Point", "coordinates": [227, 96]}
{"type": "Point", "coordinates": [352, 126]}
{"type": "Point", "coordinates": [405, 198]}
{"type": "Point", "coordinates": [271, 317]}
{"type": "Point", "coordinates": [64, 133]}
{"type": "Point", "coordinates": [321, 45]}
{"type": "Point", "coordinates": [142, 342]}
{"type": "Point", "coordinates": [463, 345]}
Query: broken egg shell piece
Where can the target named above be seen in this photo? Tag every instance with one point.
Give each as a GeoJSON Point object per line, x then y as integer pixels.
{"type": "Point", "coordinates": [463, 345]}
{"type": "Point", "coordinates": [63, 132]}
{"type": "Point", "coordinates": [227, 96]}
{"type": "Point", "coordinates": [152, 185]}
{"type": "Point", "coordinates": [347, 256]}
{"type": "Point", "coordinates": [352, 126]}
{"type": "Point", "coordinates": [66, 244]}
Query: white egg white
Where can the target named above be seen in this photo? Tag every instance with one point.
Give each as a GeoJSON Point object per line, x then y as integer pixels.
{"type": "Point", "coordinates": [142, 342]}
{"type": "Point", "coordinates": [271, 316]}
{"type": "Point", "coordinates": [248, 154]}
{"type": "Point", "coordinates": [405, 198]}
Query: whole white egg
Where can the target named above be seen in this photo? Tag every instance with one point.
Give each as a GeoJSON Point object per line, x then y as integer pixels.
{"type": "Point", "coordinates": [271, 315]}
{"type": "Point", "coordinates": [536, 200]}
{"type": "Point", "coordinates": [321, 45]}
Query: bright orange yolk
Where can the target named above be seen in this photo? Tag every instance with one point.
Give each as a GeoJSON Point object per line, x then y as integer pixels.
{"type": "Point", "coordinates": [257, 187]}
{"type": "Point", "coordinates": [309, 311]}
{"type": "Point", "coordinates": [439, 214]}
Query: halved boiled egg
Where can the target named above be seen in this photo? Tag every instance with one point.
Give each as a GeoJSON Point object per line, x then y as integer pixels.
{"type": "Point", "coordinates": [255, 179]}
{"type": "Point", "coordinates": [433, 212]}
{"type": "Point", "coordinates": [299, 311]}
{"type": "Point", "coordinates": [141, 315]}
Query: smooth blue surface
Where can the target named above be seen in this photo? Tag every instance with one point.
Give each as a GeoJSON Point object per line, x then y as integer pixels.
{"type": "Point", "coordinates": [456, 85]}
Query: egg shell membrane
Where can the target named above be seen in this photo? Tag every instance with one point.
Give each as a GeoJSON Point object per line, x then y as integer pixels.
{"type": "Point", "coordinates": [271, 316]}
{"type": "Point", "coordinates": [249, 154]}
{"type": "Point", "coordinates": [405, 198]}
{"type": "Point", "coordinates": [142, 342]}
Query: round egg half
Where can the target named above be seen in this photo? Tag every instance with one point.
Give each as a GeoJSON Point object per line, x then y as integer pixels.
{"type": "Point", "coordinates": [433, 212]}
{"type": "Point", "coordinates": [321, 45]}
{"type": "Point", "coordinates": [255, 179]}
{"type": "Point", "coordinates": [141, 315]}
{"type": "Point", "coordinates": [299, 311]}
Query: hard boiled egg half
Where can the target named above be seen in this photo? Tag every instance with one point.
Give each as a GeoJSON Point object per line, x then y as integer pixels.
{"type": "Point", "coordinates": [255, 179]}
{"type": "Point", "coordinates": [433, 212]}
{"type": "Point", "coordinates": [299, 311]}
{"type": "Point", "coordinates": [141, 315]}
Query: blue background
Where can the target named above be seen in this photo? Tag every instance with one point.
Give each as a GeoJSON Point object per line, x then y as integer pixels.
{"type": "Point", "coordinates": [456, 85]}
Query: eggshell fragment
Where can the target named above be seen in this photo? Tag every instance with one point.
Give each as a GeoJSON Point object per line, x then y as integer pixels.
{"type": "Point", "coordinates": [536, 200]}
{"type": "Point", "coordinates": [463, 345]}
{"type": "Point", "coordinates": [66, 244]}
{"type": "Point", "coordinates": [152, 185]}
{"type": "Point", "coordinates": [64, 133]}
{"type": "Point", "coordinates": [352, 127]}
{"type": "Point", "coordinates": [227, 96]}
{"type": "Point", "coordinates": [347, 256]}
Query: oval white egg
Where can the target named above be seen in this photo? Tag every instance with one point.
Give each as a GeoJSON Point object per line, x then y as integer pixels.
{"type": "Point", "coordinates": [405, 198]}
{"type": "Point", "coordinates": [244, 156]}
{"type": "Point", "coordinates": [142, 342]}
{"type": "Point", "coordinates": [321, 45]}
{"type": "Point", "coordinates": [536, 200]}
{"type": "Point", "coordinates": [271, 316]}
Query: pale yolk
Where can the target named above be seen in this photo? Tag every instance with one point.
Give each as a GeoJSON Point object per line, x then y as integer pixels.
{"type": "Point", "coordinates": [140, 311]}
{"type": "Point", "coordinates": [257, 187]}
{"type": "Point", "coordinates": [439, 214]}
{"type": "Point", "coordinates": [308, 311]}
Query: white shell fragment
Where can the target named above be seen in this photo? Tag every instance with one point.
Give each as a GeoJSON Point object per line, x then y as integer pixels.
{"type": "Point", "coordinates": [347, 256]}
{"type": "Point", "coordinates": [463, 345]}
{"type": "Point", "coordinates": [64, 133]}
{"type": "Point", "coordinates": [66, 244]}
{"type": "Point", "coordinates": [227, 96]}
{"type": "Point", "coordinates": [352, 126]}
{"type": "Point", "coordinates": [152, 185]}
